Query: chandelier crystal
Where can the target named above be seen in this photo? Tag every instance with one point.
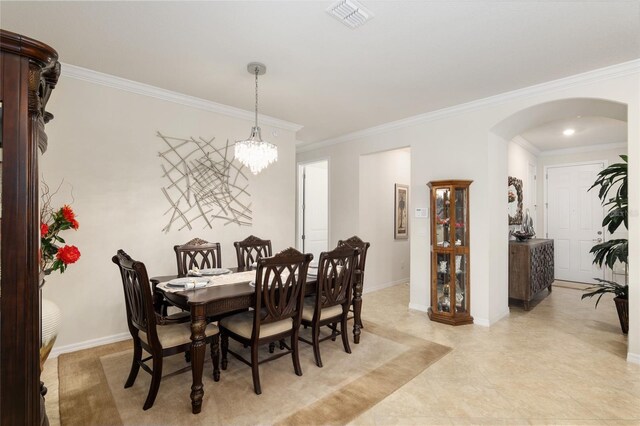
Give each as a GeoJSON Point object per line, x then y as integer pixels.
{"type": "Point", "coordinates": [253, 152]}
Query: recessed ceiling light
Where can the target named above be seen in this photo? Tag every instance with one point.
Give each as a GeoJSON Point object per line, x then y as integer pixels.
{"type": "Point", "coordinates": [568, 132]}
{"type": "Point", "coordinates": [349, 12]}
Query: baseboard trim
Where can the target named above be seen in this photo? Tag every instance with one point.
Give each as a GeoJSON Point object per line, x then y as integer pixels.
{"type": "Point", "coordinates": [56, 351]}
{"type": "Point", "coordinates": [419, 307]}
{"type": "Point", "coordinates": [376, 287]}
{"type": "Point", "coordinates": [481, 322]}
{"type": "Point", "coordinates": [633, 358]}
{"type": "Point", "coordinates": [501, 316]}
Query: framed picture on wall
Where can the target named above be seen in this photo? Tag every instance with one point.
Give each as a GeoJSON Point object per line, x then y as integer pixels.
{"type": "Point", "coordinates": [401, 215]}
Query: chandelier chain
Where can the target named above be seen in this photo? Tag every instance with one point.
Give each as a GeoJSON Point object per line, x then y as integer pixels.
{"type": "Point", "coordinates": [256, 72]}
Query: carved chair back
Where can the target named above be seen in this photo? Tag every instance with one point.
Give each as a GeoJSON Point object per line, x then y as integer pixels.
{"type": "Point", "coordinates": [361, 258]}
{"type": "Point", "coordinates": [138, 299]}
{"type": "Point", "coordinates": [335, 277]}
{"type": "Point", "coordinates": [280, 282]}
{"type": "Point", "coordinates": [197, 253]}
{"type": "Point", "coordinates": [252, 248]}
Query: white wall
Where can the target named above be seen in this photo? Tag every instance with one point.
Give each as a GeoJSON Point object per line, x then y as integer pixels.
{"type": "Point", "coordinates": [459, 143]}
{"type": "Point", "coordinates": [103, 142]}
{"type": "Point", "coordinates": [387, 259]}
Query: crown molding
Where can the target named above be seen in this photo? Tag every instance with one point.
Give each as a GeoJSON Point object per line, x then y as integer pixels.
{"type": "Point", "coordinates": [526, 145]}
{"type": "Point", "coordinates": [131, 86]}
{"type": "Point", "coordinates": [594, 76]}
{"type": "Point", "coordinates": [581, 149]}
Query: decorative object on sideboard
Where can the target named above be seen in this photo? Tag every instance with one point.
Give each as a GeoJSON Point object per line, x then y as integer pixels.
{"type": "Point", "coordinates": [401, 209]}
{"type": "Point", "coordinates": [526, 229]}
{"type": "Point", "coordinates": [253, 152]}
{"type": "Point", "coordinates": [204, 184]}
{"type": "Point", "coordinates": [515, 200]}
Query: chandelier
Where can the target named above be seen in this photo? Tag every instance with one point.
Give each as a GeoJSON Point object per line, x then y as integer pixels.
{"type": "Point", "coordinates": [253, 152]}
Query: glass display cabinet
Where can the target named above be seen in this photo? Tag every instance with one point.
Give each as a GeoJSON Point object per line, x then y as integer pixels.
{"type": "Point", "coordinates": [450, 295]}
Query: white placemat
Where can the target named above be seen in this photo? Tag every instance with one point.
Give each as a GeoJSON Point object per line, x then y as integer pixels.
{"type": "Point", "coordinates": [238, 277]}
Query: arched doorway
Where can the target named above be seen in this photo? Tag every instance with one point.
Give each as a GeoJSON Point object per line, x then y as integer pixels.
{"type": "Point", "coordinates": [556, 150]}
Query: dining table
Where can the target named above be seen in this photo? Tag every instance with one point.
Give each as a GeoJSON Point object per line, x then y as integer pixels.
{"type": "Point", "coordinates": [211, 301]}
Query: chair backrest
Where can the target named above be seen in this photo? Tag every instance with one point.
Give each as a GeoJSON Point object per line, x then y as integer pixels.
{"type": "Point", "coordinates": [356, 242]}
{"type": "Point", "coordinates": [137, 296]}
{"type": "Point", "coordinates": [197, 253]}
{"type": "Point", "coordinates": [251, 249]}
{"type": "Point", "coordinates": [280, 283]}
{"type": "Point", "coordinates": [335, 277]}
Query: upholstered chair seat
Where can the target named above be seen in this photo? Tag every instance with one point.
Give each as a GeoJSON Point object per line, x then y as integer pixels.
{"type": "Point", "coordinates": [326, 313]}
{"type": "Point", "coordinates": [176, 334]}
{"type": "Point", "coordinates": [242, 325]}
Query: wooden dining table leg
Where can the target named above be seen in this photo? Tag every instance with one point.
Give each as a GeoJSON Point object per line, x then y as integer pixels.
{"type": "Point", "coordinates": [198, 346]}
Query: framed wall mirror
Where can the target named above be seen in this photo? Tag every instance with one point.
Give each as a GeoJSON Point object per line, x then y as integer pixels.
{"type": "Point", "coordinates": [515, 201]}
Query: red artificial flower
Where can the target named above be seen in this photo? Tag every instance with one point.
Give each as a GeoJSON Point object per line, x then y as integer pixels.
{"type": "Point", "coordinates": [68, 254]}
{"type": "Point", "coordinates": [74, 224]}
{"type": "Point", "coordinates": [68, 213]}
{"type": "Point", "coordinates": [44, 229]}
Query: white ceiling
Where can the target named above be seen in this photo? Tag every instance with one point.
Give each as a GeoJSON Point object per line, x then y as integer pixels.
{"type": "Point", "coordinates": [589, 131]}
{"type": "Point", "coordinates": [411, 58]}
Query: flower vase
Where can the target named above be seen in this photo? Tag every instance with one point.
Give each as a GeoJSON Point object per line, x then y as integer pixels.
{"type": "Point", "coordinates": [51, 317]}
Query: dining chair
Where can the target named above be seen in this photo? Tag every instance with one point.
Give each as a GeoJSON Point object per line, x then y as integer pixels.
{"type": "Point", "coordinates": [330, 305]}
{"type": "Point", "coordinates": [252, 248]}
{"type": "Point", "coordinates": [358, 282]}
{"type": "Point", "coordinates": [160, 336]}
{"type": "Point", "coordinates": [197, 253]}
{"type": "Point", "coordinates": [280, 283]}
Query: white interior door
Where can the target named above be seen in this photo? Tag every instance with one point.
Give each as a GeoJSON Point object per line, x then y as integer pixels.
{"type": "Point", "coordinates": [574, 220]}
{"type": "Point", "coordinates": [314, 208]}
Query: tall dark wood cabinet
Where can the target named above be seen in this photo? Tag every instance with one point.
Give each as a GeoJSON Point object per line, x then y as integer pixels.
{"type": "Point", "coordinates": [450, 284]}
{"type": "Point", "coordinates": [29, 71]}
{"type": "Point", "coordinates": [531, 269]}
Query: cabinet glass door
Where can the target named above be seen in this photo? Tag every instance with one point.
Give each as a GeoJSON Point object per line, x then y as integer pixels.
{"type": "Point", "coordinates": [461, 217]}
{"type": "Point", "coordinates": [461, 297]}
{"type": "Point", "coordinates": [443, 200]}
{"type": "Point", "coordinates": [443, 282]}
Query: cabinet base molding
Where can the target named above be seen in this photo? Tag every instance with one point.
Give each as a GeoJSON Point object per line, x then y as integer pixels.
{"type": "Point", "coordinates": [459, 319]}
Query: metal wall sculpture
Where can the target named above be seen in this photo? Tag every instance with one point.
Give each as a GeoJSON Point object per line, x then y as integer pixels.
{"type": "Point", "coordinates": [203, 184]}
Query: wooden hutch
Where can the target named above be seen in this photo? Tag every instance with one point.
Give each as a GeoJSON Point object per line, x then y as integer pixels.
{"type": "Point", "coordinates": [29, 71]}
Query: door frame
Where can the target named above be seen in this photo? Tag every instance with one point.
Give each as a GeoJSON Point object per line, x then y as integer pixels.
{"type": "Point", "coordinates": [299, 166]}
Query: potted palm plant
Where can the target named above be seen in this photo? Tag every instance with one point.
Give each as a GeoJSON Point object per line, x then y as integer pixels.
{"type": "Point", "coordinates": [612, 182]}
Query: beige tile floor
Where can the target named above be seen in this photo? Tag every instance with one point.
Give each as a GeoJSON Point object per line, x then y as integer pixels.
{"type": "Point", "coordinates": [561, 363]}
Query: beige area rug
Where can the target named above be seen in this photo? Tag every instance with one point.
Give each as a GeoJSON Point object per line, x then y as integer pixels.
{"type": "Point", "coordinates": [92, 384]}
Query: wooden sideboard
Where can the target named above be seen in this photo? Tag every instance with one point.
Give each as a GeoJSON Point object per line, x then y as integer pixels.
{"type": "Point", "coordinates": [531, 269]}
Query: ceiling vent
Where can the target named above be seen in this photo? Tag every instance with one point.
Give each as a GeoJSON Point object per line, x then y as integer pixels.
{"type": "Point", "coordinates": [349, 12]}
